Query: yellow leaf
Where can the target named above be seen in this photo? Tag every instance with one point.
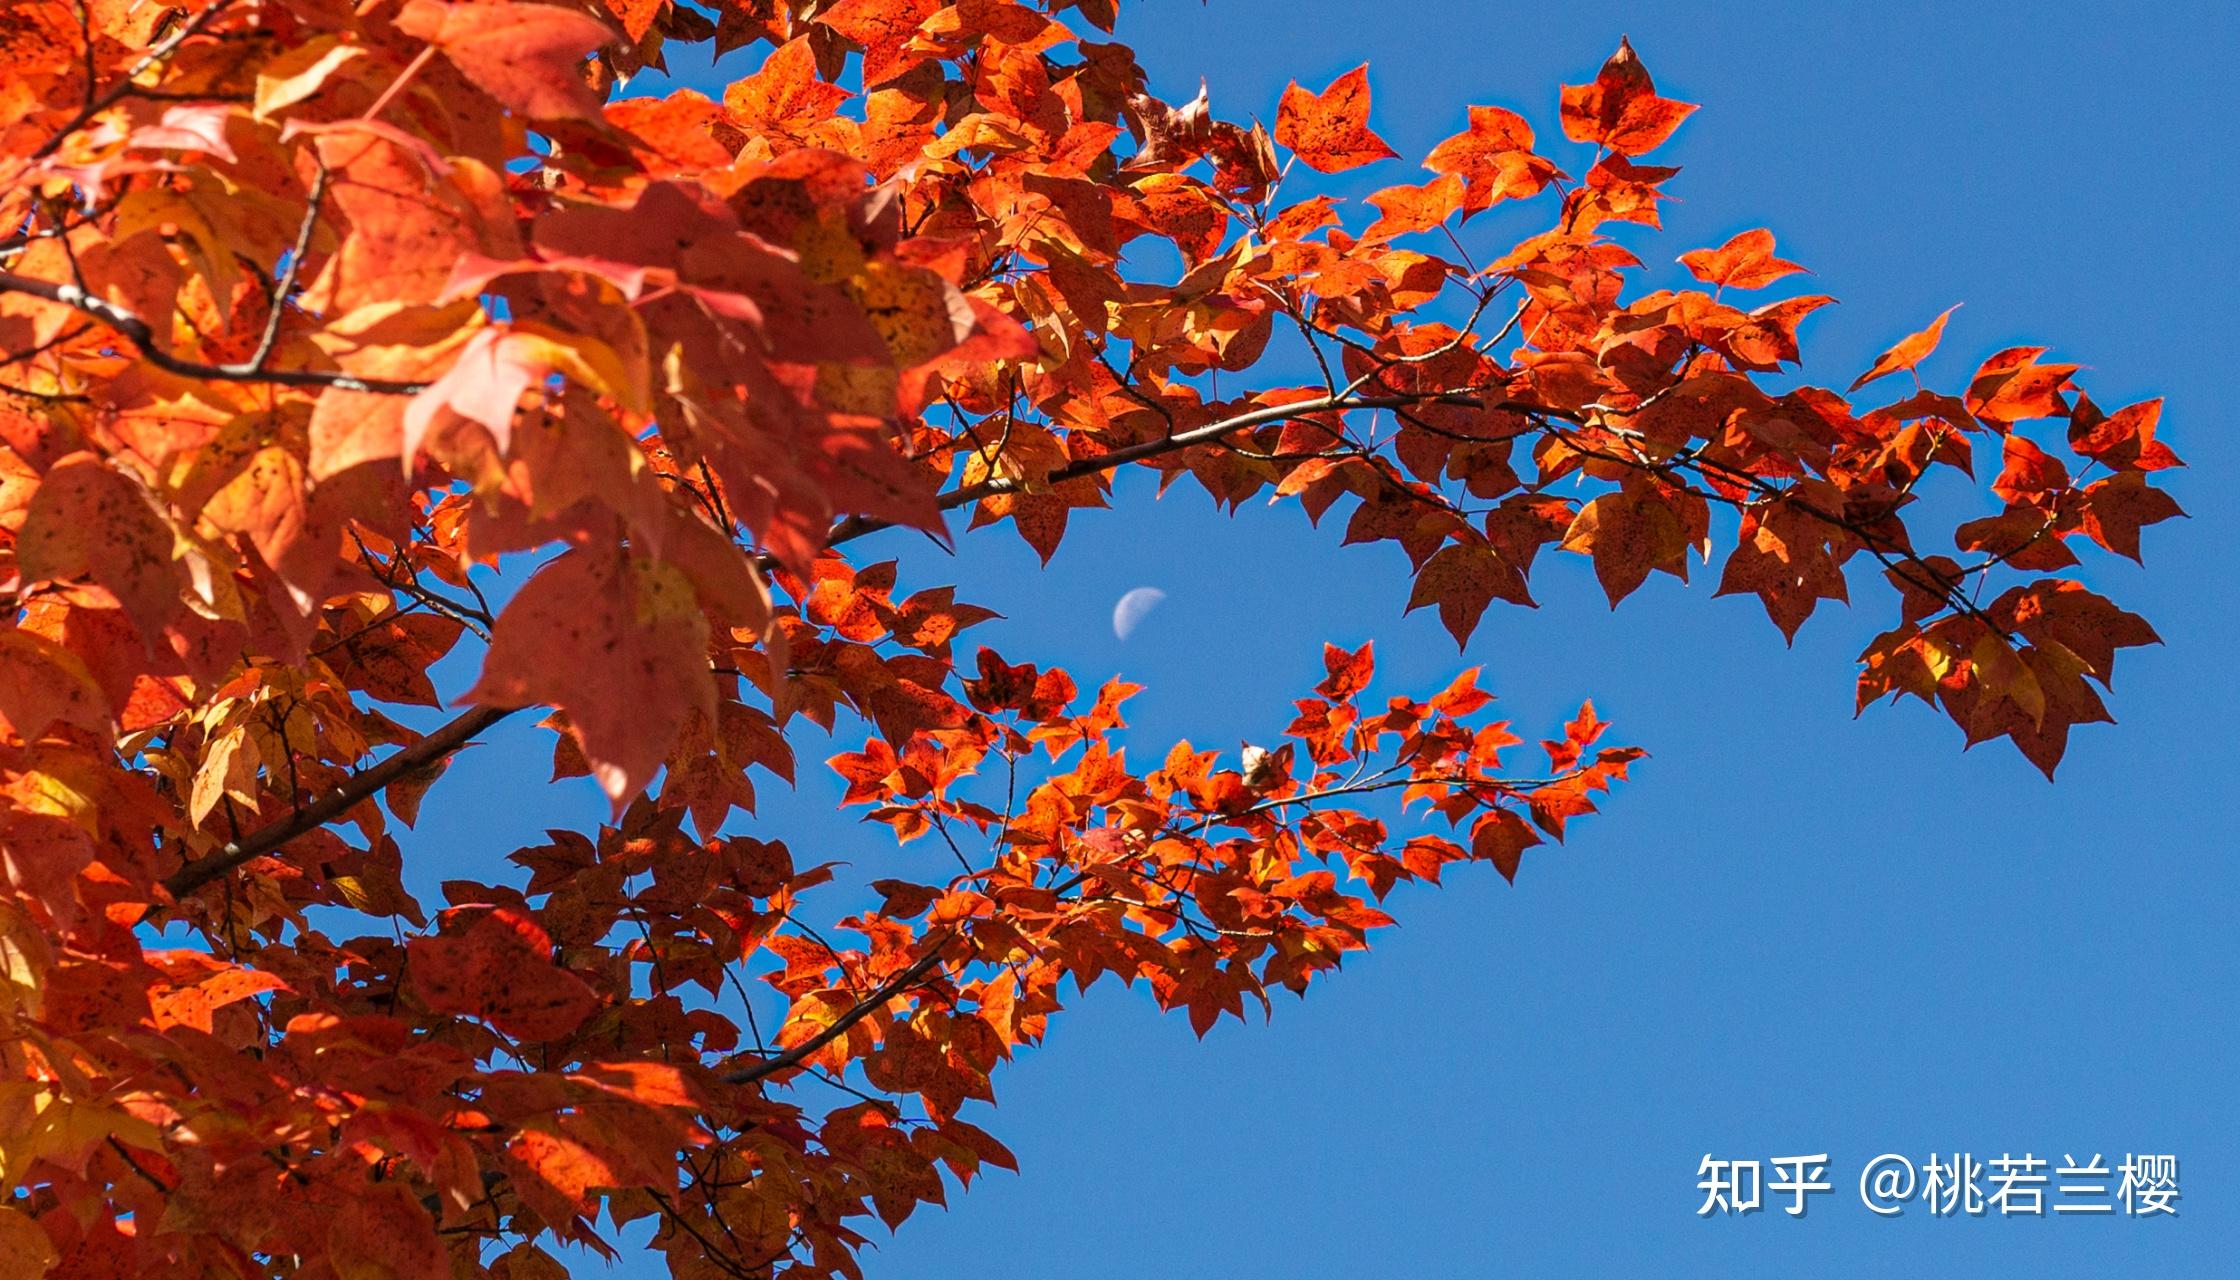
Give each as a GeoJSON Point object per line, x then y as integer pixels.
{"type": "Point", "coordinates": [23, 963]}
{"type": "Point", "coordinates": [229, 767]}
{"type": "Point", "coordinates": [36, 1123]}
{"type": "Point", "coordinates": [300, 72]}
{"type": "Point", "coordinates": [587, 360]}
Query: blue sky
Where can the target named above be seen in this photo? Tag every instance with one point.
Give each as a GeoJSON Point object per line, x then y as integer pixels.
{"type": "Point", "coordinates": [1795, 932]}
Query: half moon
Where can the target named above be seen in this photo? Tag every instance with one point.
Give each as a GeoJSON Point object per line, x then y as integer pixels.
{"type": "Point", "coordinates": [1133, 608]}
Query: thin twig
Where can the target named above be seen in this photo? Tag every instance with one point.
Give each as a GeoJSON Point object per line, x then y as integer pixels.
{"type": "Point", "coordinates": [96, 105]}
{"type": "Point", "coordinates": [841, 1025]}
{"type": "Point", "coordinates": [288, 274]}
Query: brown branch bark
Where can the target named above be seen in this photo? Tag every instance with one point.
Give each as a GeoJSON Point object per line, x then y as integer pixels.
{"type": "Point", "coordinates": [143, 339]}
{"type": "Point", "coordinates": [855, 1013]}
{"type": "Point", "coordinates": [366, 782]}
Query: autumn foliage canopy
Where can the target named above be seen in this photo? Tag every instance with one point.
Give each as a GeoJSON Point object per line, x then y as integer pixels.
{"type": "Point", "coordinates": [337, 339]}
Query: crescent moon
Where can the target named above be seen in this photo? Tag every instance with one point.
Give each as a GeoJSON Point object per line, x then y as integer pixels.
{"type": "Point", "coordinates": [1133, 608]}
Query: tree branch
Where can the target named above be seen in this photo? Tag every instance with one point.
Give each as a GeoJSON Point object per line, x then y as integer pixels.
{"type": "Point", "coordinates": [855, 1013]}
{"type": "Point", "coordinates": [143, 339]}
{"type": "Point", "coordinates": [460, 730]}
{"type": "Point", "coordinates": [366, 782]}
{"type": "Point", "coordinates": [857, 526]}
{"type": "Point", "coordinates": [95, 105]}
{"type": "Point", "coordinates": [278, 307]}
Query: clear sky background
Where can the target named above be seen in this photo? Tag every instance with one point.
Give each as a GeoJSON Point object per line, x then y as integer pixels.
{"type": "Point", "coordinates": [1794, 932]}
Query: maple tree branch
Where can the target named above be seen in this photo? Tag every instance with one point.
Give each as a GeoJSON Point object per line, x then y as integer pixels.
{"type": "Point", "coordinates": [857, 526]}
{"type": "Point", "coordinates": [125, 1153]}
{"type": "Point", "coordinates": [126, 86]}
{"type": "Point", "coordinates": [1505, 786]}
{"type": "Point", "coordinates": [287, 284]}
{"type": "Point", "coordinates": [708, 1250]}
{"type": "Point", "coordinates": [1875, 543]}
{"type": "Point", "coordinates": [1181, 917]}
{"type": "Point", "coordinates": [143, 338]}
{"type": "Point", "coordinates": [403, 579]}
{"type": "Point", "coordinates": [327, 808]}
{"type": "Point", "coordinates": [855, 1013]}
{"type": "Point", "coordinates": [458, 731]}
{"type": "Point", "coordinates": [60, 339]}
{"type": "Point", "coordinates": [1896, 557]}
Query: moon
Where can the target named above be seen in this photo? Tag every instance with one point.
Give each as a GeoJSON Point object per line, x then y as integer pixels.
{"type": "Point", "coordinates": [1133, 608]}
